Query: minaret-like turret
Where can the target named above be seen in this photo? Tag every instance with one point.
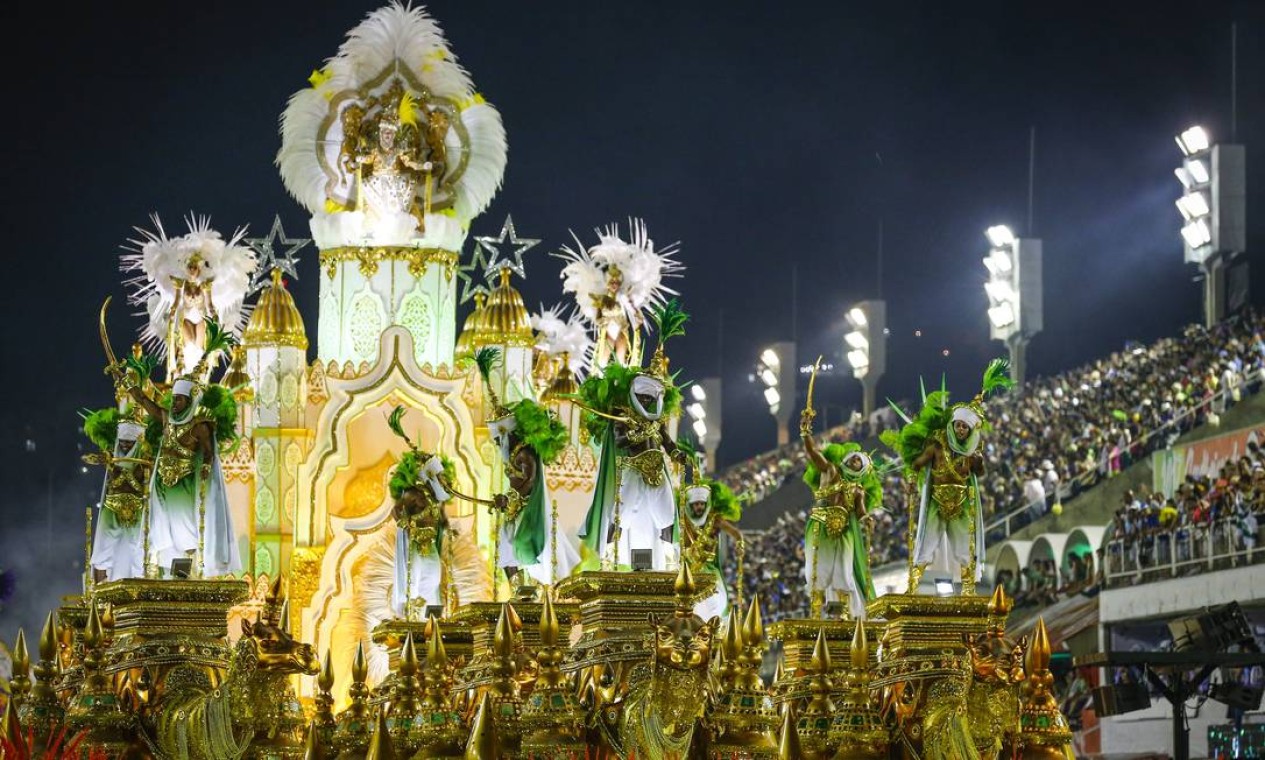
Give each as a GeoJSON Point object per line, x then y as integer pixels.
{"type": "Point", "coordinates": [275, 344]}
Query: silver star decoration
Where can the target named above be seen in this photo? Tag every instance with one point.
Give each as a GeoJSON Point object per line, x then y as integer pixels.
{"type": "Point", "coordinates": [467, 272]}
{"type": "Point", "coordinates": [513, 260]}
{"type": "Point", "coordinates": [269, 259]}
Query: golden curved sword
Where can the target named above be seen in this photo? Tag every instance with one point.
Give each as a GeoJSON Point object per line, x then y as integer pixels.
{"type": "Point", "coordinates": [113, 367]}
{"type": "Point", "coordinates": [812, 381]}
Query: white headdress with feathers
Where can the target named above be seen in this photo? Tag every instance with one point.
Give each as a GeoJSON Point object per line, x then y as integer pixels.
{"type": "Point", "coordinates": [156, 262]}
{"type": "Point", "coordinates": [394, 44]}
{"type": "Point", "coordinates": [642, 270]}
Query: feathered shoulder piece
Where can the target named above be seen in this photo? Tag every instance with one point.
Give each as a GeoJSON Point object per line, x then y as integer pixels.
{"type": "Point", "coordinates": [408, 472]}
{"type": "Point", "coordinates": [910, 441]}
{"type": "Point", "coordinates": [218, 403]}
{"type": "Point", "coordinates": [540, 429]}
{"type": "Point", "coordinates": [395, 72]}
{"type": "Point", "coordinates": [101, 427]}
{"type": "Point", "coordinates": [724, 502]}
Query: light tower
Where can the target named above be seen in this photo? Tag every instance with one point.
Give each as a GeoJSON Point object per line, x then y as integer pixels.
{"type": "Point", "coordinates": [1014, 293]}
{"type": "Point", "coordinates": [1213, 206]}
{"type": "Point", "coordinates": [704, 411]}
{"type": "Point", "coordinates": [776, 372]}
{"type": "Point", "coordinates": [866, 347]}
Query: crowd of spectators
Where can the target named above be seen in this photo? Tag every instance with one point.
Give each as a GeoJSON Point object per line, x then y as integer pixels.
{"type": "Point", "coordinates": [1210, 519]}
{"type": "Point", "coordinates": [1058, 437]}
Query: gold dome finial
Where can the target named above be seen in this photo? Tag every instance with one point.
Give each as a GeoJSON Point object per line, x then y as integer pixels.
{"type": "Point", "coordinates": [325, 681]}
{"type": "Point", "coordinates": [820, 662]}
{"type": "Point", "coordinates": [860, 651]}
{"type": "Point", "coordinates": [469, 328]}
{"type": "Point", "coordinates": [482, 744]}
{"type": "Point", "coordinates": [733, 643]}
{"type": "Point", "coordinates": [684, 585]}
{"type": "Point", "coordinates": [788, 747]}
{"type": "Point", "coordinates": [549, 627]}
{"type": "Point", "coordinates": [436, 655]}
{"type": "Point", "coordinates": [21, 657]}
{"type": "Point", "coordinates": [380, 742]}
{"type": "Point", "coordinates": [276, 320]}
{"type": "Point", "coordinates": [312, 749]}
{"type": "Point", "coordinates": [753, 628]}
{"type": "Point", "coordinates": [359, 668]}
{"type": "Point", "coordinates": [502, 320]}
{"type": "Point", "coordinates": [48, 639]}
{"type": "Point", "coordinates": [408, 655]}
{"type": "Point", "coordinates": [503, 640]}
{"type": "Point", "coordinates": [93, 635]}
{"type": "Point", "coordinates": [1039, 650]}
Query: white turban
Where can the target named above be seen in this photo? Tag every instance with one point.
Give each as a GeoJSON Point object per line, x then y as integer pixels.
{"type": "Point", "coordinates": [645, 385]}
{"type": "Point", "coordinates": [696, 494]}
{"type": "Point", "coordinates": [130, 431]}
{"type": "Point", "coordinates": [968, 415]}
{"type": "Point", "coordinates": [182, 387]}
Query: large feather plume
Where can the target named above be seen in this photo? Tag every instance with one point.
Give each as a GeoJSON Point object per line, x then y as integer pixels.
{"type": "Point", "coordinates": [642, 270]}
{"type": "Point", "coordinates": [154, 262]}
{"type": "Point", "coordinates": [402, 42]}
{"type": "Point", "coordinates": [556, 336]}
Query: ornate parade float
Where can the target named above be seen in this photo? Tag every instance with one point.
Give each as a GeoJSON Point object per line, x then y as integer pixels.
{"type": "Point", "coordinates": [485, 542]}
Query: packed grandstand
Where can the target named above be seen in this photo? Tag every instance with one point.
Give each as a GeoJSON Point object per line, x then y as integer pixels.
{"type": "Point", "coordinates": [1050, 443]}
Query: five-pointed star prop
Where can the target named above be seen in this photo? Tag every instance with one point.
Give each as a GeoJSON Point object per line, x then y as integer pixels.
{"type": "Point", "coordinates": [467, 272]}
{"type": "Point", "coordinates": [269, 259]}
{"type": "Point", "coordinates": [512, 260]}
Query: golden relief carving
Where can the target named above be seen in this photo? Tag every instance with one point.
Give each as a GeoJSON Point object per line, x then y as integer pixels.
{"type": "Point", "coordinates": [368, 259]}
{"type": "Point", "coordinates": [575, 470]}
{"type": "Point", "coordinates": [305, 578]}
{"type": "Point", "coordinates": [366, 490]}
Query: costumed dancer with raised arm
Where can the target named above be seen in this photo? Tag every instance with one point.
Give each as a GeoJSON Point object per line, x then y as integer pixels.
{"type": "Point", "coordinates": [421, 484]}
{"type": "Point", "coordinates": [846, 489]}
{"type": "Point", "coordinates": [189, 512]}
{"type": "Point", "coordinates": [710, 509]}
{"type": "Point", "coordinates": [634, 506]}
{"type": "Point", "coordinates": [529, 436]}
{"type": "Point", "coordinates": [940, 449]}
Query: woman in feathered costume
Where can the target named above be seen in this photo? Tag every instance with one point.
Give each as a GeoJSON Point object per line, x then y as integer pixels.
{"type": "Point", "coordinates": [846, 489]}
{"type": "Point", "coordinates": [710, 508]}
{"type": "Point", "coordinates": [633, 503]}
{"type": "Point", "coordinates": [529, 437]}
{"type": "Point", "coordinates": [941, 452]}
{"type": "Point", "coordinates": [188, 499]}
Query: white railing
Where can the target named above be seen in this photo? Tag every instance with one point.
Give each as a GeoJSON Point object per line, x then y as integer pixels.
{"type": "Point", "coordinates": [1172, 552]}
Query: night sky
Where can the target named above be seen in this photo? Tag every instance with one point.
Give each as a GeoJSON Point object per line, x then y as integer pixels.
{"type": "Point", "coordinates": [760, 135]}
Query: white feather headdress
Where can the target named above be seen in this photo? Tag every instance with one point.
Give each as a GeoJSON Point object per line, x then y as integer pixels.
{"type": "Point", "coordinates": [394, 44]}
{"type": "Point", "coordinates": [156, 262]}
{"type": "Point", "coordinates": [642, 270]}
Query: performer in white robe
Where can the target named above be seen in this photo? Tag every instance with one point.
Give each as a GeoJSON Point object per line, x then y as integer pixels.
{"type": "Point", "coordinates": [188, 494]}
{"type": "Point", "coordinates": [421, 531]}
{"type": "Point", "coordinates": [118, 542]}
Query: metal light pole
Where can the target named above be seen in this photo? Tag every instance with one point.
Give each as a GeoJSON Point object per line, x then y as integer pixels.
{"type": "Point", "coordinates": [1014, 294]}
{"type": "Point", "coordinates": [704, 409]}
{"type": "Point", "coordinates": [1213, 207]}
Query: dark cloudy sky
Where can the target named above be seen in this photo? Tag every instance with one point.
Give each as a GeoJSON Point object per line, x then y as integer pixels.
{"type": "Point", "coordinates": [758, 134]}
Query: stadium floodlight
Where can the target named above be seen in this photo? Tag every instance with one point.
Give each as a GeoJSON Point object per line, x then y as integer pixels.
{"type": "Point", "coordinates": [1197, 234]}
{"type": "Point", "coordinates": [698, 393]}
{"type": "Point", "coordinates": [1001, 315]}
{"type": "Point", "coordinates": [865, 347]}
{"type": "Point", "coordinates": [700, 429]}
{"type": "Point", "coordinates": [1000, 236]}
{"type": "Point", "coordinates": [705, 413]}
{"type": "Point", "coordinates": [1193, 205]}
{"type": "Point", "coordinates": [1198, 171]}
{"type": "Point", "coordinates": [1193, 140]}
{"type": "Point", "coordinates": [696, 410]}
{"type": "Point", "coordinates": [776, 370]}
{"type": "Point", "coordinates": [1014, 292]}
{"type": "Point", "coordinates": [1213, 207]}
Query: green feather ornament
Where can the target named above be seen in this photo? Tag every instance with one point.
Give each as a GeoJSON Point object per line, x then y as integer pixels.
{"type": "Point", "coordinates": [485, 359]}
{"type": "Point", "coordinates": [217, 400]}
{"type": "Point", "coordinates": [996, 377]}
{"type": "Point", "coordinates": [669, 320]}
{"type": "Point", "coordinates": [540, 430]}
{"type": "Point", "coordinates": [101, 427]}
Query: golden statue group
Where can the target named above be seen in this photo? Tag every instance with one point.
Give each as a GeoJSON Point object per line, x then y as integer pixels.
{"type": "Point", "coordinates": [497, 539]}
